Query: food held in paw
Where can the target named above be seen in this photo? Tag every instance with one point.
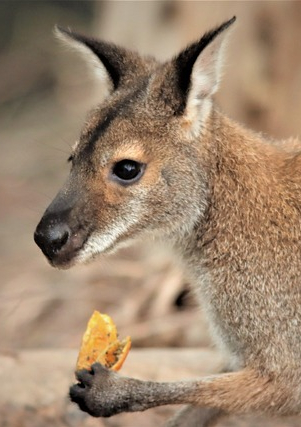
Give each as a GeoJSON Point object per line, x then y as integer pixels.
{"type": "Point", "coordinates": [100, 344]}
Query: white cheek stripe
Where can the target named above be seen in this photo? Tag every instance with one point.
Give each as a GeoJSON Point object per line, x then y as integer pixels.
{"type": "Point", "coordinates": [99, 242]}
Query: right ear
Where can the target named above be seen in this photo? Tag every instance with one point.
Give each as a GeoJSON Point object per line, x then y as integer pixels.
{"type": "Point", "coordinates": [120, 65]}
{"type": "Point", "coordinates": [185, 85]}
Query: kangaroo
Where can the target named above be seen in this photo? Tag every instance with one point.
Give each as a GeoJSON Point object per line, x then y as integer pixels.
{"type": "Point", "coordinates": [158, 158]}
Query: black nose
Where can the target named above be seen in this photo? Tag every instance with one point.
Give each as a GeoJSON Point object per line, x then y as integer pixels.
{"type": "Point", "coordinates": [52, 236]}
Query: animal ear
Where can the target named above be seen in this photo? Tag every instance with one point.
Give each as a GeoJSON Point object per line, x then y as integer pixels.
{"type": "Point", "coordinates": [119, 64]}
{"type": "Point", "coordinates": [185, 85]}
{"type": "Point", "coordinates": [199, 66]}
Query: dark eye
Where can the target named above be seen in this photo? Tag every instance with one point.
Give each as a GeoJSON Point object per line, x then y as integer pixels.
{"type": "Point", "coordinates": [128, 171]}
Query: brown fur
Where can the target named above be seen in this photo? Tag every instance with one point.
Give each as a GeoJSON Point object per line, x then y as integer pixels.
{"type": "Point", "coordinates": [228, 201]}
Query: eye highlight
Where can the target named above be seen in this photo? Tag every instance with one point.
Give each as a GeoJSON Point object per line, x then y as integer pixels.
{"type": "Point", "coordinates": [127, 171]}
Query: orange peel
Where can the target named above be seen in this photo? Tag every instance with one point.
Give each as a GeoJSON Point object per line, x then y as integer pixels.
{"type": "Point", "coordinates": [100, 343]}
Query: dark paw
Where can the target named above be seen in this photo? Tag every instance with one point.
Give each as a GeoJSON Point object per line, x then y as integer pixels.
{"type": "Point", "coordinates": [97, 392]}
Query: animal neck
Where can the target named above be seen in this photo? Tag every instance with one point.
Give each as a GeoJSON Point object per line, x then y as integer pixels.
{"type": "Point", "coordinates": [241, 191]}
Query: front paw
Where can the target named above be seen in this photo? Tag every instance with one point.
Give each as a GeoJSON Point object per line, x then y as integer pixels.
{"type": "Point", "coordinates": [100, 392]}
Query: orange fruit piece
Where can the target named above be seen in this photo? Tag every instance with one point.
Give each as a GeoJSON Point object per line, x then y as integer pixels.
{"type": "Point", "coordinates": [100, 344]}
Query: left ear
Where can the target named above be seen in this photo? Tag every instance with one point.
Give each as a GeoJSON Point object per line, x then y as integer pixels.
{"type": "Point", "coordinates": [120, 65]}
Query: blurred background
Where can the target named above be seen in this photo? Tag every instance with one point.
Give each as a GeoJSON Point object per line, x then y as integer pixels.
{"type": "Point", "coordinates": [45, 93]}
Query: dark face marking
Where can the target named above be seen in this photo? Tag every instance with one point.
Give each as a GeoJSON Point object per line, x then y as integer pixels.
{"type": "Point", "coordinates": [123, 107]}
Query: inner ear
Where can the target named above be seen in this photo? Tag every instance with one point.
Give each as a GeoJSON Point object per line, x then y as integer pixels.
{"type": "Point", "coordinates": [97, 67]}
{"type": "Point", "coordinates": [199, 66]}
{"type": "Point", "coordinates": [121, 65]}
{"type": "Point", "coordinates": [184, 85]}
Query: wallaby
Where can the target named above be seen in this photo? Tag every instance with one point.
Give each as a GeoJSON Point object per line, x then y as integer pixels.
{"type": "Point", "coordinates": [157, 158]}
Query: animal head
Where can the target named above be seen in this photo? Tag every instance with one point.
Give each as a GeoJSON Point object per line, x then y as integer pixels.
{"type": "Point", "coordinates": [137, 167]}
